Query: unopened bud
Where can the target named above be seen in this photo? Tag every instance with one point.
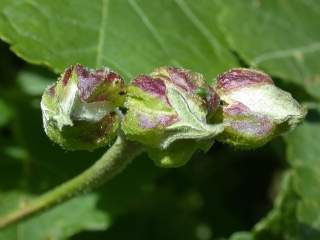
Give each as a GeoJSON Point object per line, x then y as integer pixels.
{"type": "Point", "coordinates": [79, 111]}
{"type": "Point", "coordinates": [253, 109]}
{"type": "Point", "coordinates": [168, 105]}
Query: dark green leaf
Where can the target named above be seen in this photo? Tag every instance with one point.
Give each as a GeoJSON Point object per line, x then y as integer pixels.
{"type": "Point", "coordinates": [281, 37]}
{"type": "Point", "coordinates": [131, 36]}
{"type": "Point", "coordinates": [5, 113]}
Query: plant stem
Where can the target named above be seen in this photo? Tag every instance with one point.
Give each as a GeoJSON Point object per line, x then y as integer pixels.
{"type": "Point", "coordinates": [109, 165]}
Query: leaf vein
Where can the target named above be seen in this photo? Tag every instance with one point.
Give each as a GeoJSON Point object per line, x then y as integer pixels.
{"type": "Point", "coordinates": [101, 34]}
{"type": "Point", "coordinates": [151, 28]}
{"type": "Point", "coordinates": [214, 42]}
{"type": "Point", "coordinates": [313, 47]}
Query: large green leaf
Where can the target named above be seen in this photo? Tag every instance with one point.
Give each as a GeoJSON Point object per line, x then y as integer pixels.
{"type": "Point", "coordinates": [304, 156]}
{"type": "Point", "coordinates": [131, 36]}
{"type": "Point", "coordinates": [281, 37]}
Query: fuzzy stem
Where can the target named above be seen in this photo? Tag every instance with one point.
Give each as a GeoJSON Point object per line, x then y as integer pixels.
{"type": "Point", "coordinates": [109, 165]}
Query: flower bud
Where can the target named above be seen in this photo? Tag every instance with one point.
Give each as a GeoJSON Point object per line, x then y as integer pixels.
{"type": "Point", "coordinates": [79, 111]}
{"type": "Point", "coordinates": [168, 105]}
{"type": "Point", "coordinates": [254, 110]}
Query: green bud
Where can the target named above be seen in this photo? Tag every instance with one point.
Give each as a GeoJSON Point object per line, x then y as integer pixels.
{"type": "Point", "coordinates": [169, 105]}
{"type": "Point", "coordinates": [178, 153]}
{"type": "Point", "coordinates": [79, 111]}
{"type": "Point", "coordinates": [254, 110]}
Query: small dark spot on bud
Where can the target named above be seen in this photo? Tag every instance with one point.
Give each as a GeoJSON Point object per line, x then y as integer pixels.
{"type": "Point", "coordinates": [122, 109]}
{"type": "Point", "coordinates": [113, 77]}
{"type": "Point", "coordinates": [100, 98]}
{"type": "Point", "coordinates": [122, 93]}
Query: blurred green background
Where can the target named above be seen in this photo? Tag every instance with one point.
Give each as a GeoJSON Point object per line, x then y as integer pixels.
{"type": "Point", "coordinates": [271, 193]}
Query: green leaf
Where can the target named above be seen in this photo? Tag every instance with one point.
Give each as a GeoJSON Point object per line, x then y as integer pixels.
{"type": "Point", "coordinates": [6, 64]}
{"type": "Point", "coordinates": [132, 37]}
{"type": "Point", "coordinates": [281, 37]}
{"type": "Point", "coordinates": [303, 155]}
{"type": "Point", "coordinates": [281, 222]}
{"type": "Point", "coordinates": [59, 223]}
{"type": "Point", "coordinates": [242, 236]}
{"type": "Point", "coordinates": [6, 113]}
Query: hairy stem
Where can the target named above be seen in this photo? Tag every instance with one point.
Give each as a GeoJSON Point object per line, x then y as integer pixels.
{"type": "Point", "coordinates": [110, 164]}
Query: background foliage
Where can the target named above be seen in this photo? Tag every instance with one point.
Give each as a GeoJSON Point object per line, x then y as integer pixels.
{"type": "Point", "coordinates": [270, 193]}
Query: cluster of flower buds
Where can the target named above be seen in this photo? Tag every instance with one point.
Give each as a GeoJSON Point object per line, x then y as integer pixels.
{"type": "Point", "coordinates": [172, 111]}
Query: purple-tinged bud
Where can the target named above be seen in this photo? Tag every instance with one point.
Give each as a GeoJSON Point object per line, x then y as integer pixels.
{"type": "Point", "coordinates": [253, 109]}
{"type": "Point", "coordinates": [169, 105]}
{"type": "Point", "coordinates": [79, 111]}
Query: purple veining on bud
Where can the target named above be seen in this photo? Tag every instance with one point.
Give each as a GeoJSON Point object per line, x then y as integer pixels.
{"type": "Point", "coordinates": [147, 122]}
{"type": "Point", "coordinates": [108, 76]}
{"type": "Point", "coordinates": [182, 78]}
{"type": "Point", "coordinates": [247, 123]}
{"type": "Point", "coordinates": [190, 82]}
{"type": "Point", "coordinates": [154, 86]}
{"type": "Point", "coordinates": [167, 120]}
{"type": "Point", "coordinates": [254, 109]}
{"type": "Point", "coordinates": [260, 127]}
{"type": "Point", "coordinates": [237, 108]}
{"type": "Point", "coordinates": [66, 75]}
{"type": "Point", "coordinates": [87, 84]}
{"type": "Point", "coordinates": [212, 101]}
{"type": "Point", "coordinates": [241, 77]}
{"type": "Point", "coordinates": [90, 80]}
{"type": "Point", "coordinates": [52, 89]}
